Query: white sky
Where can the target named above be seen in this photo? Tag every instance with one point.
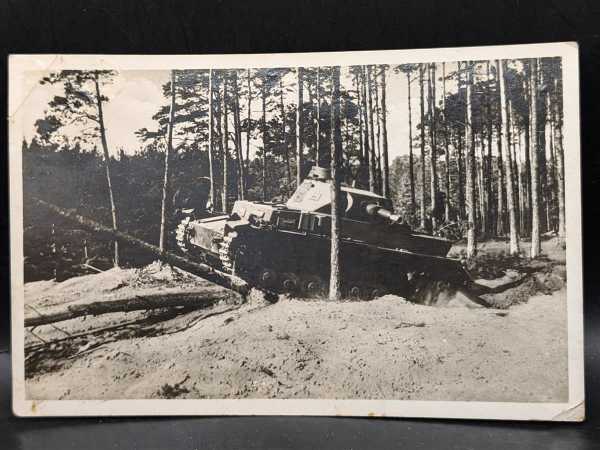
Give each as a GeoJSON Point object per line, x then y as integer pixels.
{"type": "Point", "coordinates": [136, 95]}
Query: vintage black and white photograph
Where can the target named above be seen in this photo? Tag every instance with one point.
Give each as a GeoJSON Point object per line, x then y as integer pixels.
{"type": "Point", "coordinates": [361, 233]}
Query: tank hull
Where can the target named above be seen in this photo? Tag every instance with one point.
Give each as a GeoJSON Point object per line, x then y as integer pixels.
{"type": "Point", "coordinates": [288, 250]}
{"type": "Point", "coordinates": [365, 267]}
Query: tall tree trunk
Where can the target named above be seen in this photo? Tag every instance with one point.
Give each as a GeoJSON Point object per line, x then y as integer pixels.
{"type": "Point", "coordinates": [347, 141]}
{"type": "Point", "coordinates": [433, 138]}
{"type": "Point", "coordinates": [552, 189]}
{"type": "Point", "coordinates": [377, 111]}
{"type": "Point", "coordinates": [299, 129]}
{"type": "Point", "coordinates": [211, 139]}
{"type": "Point", "coordinates": [238, 138]}
{"type": "Point", "coordinates": [522, 188]}
{"type": "Point", "coordinates": [541, 135]}
{"type": "Point", "coordinates": [249, 120]}
{"type": "Point", "coordinates": [318, 120]}
{"type": "Point", "coordinates": [365, 114]}
{"type": "Point", "coordinates": [286, 153]}
{"type": "Point", "coordinates": [263, 92]}
{"type": "Point", "coordinates": [386, 162]}
{"type": "Point", "coordinates": [480, 164]}
{"type": "Point", "coordinates": [446, 147]}
{"type": "Point", "coordinates": [510, 197]}
{"type": "Point", "coordinates": [515, 167]}
{"type": "Point", "coordinates": [422, 104]}
{"type": "Point", "coordinates": [535, 173]}
{"type": "Point", "coordinates": [560, 161]}
{"type": "Point", "coordinates": [491, 215]}
{"type": "Point", "coordinates": [372, 177]}
{"type": "Point", "coordinates": [335, 281]}
{"type": "Point", "coordinates": [461, 176]}
{"type": "Point", "coordinates": [411, 166]}
{"type": "Point", "coordinates": [113, 207]}
{"type": "Point", "coordinates": [527, 150]}
{"type": "Point", "coordinates": [219, 136]}
{"type": "Point", "coordinates": [225, 189]}
{"type": "Point", "coordinates": [501, 212]}
{"type": "Point", "coordinates": [311, 112]}
{"type": "Point", "coordinates": [162, 243]}
{"type": "Point", "coordinates": [361, 149]}
{"type": "Point", "coordinates": [470, 163]}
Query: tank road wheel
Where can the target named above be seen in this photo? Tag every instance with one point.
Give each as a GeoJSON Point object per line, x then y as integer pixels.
{"type": "Point", "coordinates": [360, 292]}
{"type": "Point", "coordinates": [355, 293]}
{"type": "Point", "coordinates": [313, 286]}
{"type": "Point", "coordinates": [290, 283]}
{"type": "Point", "coordinates": [182, 234]}
{"type": "Point", "coordinates": [267, 277]}
{"type": "Point", "coordinates": [377, 291]}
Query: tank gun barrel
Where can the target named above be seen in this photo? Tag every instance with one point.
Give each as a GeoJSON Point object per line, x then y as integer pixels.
{"type": "Point", "coordinates": [376, 210]}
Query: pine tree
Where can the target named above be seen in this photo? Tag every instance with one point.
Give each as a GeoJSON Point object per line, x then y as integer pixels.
{"type": "Point", "coordinates": [361, 147]}
{"type": "Point", "coordinates": [377, 112]}
{"type": "Point", "coordinates": [386, 163]}
{"type": "Point", "coordinates": [249, 117]}
{"type": "Point", "coordinates": [527, 150]}
{"type": "Point", "coordinates": [534, 157]}
{"type": "Point", "coordinates": [470, 165]}
{"type": "Point", "coordinates": [446, 146]}
{"type": "Point", "coordinates": [82, 104]}
{"type": "Point", "coordinates": [220, 102]}
{"type": "Point", "coordinates": [211, 140]}
{"type": "Point", "coordinates": [422, 104]}
{"type": "Point", "coordinates": [288, 169]}
{"type": "Point", "coordinates": [491, 210]}
{"type": "Point", "coordinates": [366, 175]}
{"type": "Point", "coordinates": [263, 94]}
{"type": "Point", "coordinates": [433, 140]}
{"type": "Point", "coordinates": [318, 120]}
{"type": "Point", "coordinates": [413, 203]}
{"type": "Point", "coordinates": [335, 281]}
{"type": "Point", "coordinates": [372, 159]}
{"type": "Point", "coordinates": [299, 127]}
{"type": "Point", "coordinates": [501, 210]}
{"type": "Point", "coordinates": [237, 126]}
{"type": "Point", "coordinates": [508, 166]}
{"type": "Point", "coordinates": [168, 151]}
{"type": "Point", "coordinates": [225, 138]}
{"type": "Point", "coordinates": [560, 158]}
{"type": "Point", "coordinates": [460, 175]}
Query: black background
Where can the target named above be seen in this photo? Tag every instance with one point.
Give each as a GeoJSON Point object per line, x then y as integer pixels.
{"type": "Point", "coordinates": [146, 26]}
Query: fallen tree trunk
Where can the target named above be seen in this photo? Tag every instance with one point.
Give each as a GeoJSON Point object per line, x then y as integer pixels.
{"type": "Point", "coordinates": [202, 270]}
{"type": "Point", "coordinates": [136, 303]}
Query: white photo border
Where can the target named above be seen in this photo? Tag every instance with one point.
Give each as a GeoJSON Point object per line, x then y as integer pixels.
{"type": "Point", "coordinates": [572, 410]}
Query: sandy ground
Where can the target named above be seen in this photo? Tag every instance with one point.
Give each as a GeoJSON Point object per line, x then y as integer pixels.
{"type": "Point", "coordinates": [385, 348]}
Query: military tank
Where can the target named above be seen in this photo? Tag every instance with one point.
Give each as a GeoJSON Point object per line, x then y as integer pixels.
{"type": "Point", "coordinates": [285, 247]}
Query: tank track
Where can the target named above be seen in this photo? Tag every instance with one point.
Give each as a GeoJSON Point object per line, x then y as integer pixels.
{"type": "Point", "coordinates": [181, 234]}
{"type": "Point", "coordinates": [227, 251]}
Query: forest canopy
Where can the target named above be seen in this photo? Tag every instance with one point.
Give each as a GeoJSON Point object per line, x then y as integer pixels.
{"type": "Point", "coordinates": [483, 156]}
